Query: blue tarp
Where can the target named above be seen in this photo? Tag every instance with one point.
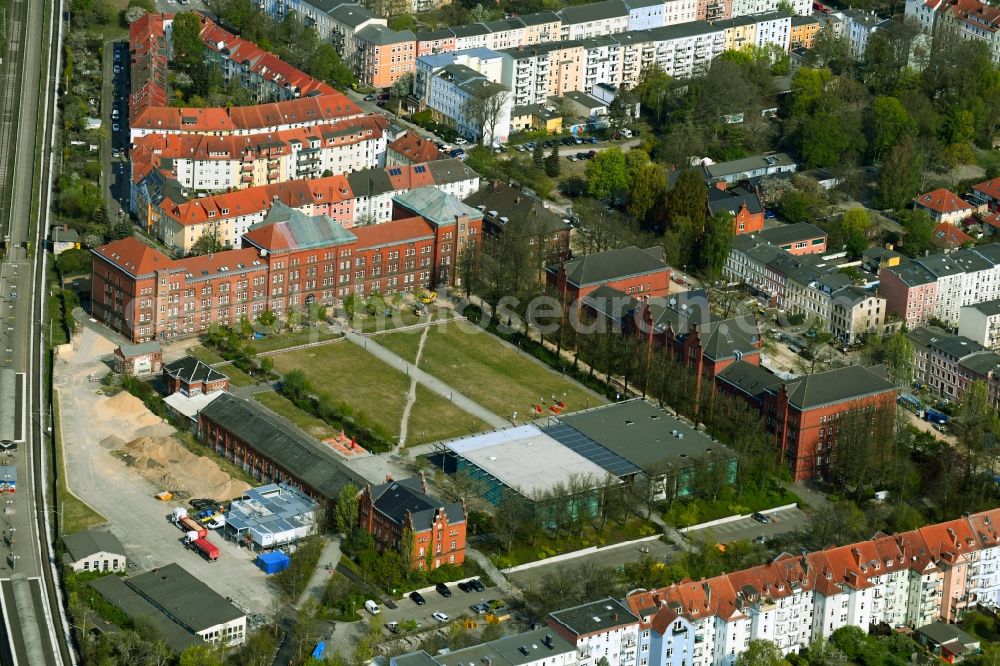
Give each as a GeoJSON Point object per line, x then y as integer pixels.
{"type": "Point", "coordinates": [909, 399]}
{"type": "Point", "coordinates": [320, 649]}
{"type": "Point", "coordinates": [273, 562]}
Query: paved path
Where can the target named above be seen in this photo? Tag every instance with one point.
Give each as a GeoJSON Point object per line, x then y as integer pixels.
{"type": "Point", "coordinates": [329, 557]}
{"type": "Point", "coordinates": [253, 389]}
{"type": "Point", "coordinates": [814, 498]}
{"type": "Point", "coordinates": [411, 397]}
{"type": "Point", "coordinates": [501, 580]}
{"type": "Point", "coordinates": [430, 381]}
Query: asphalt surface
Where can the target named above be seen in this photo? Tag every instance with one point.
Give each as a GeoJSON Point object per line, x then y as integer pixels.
{"type": "Point", "coordinates": [114, 96]}
{"type": "Point", "coordinates": [746, 529]}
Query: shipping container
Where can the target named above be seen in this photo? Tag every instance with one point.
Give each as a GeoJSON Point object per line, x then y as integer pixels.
{"type": "Point", "coordinates": [271, 563]}
{"type": "Point", "coordinates": [207, 548]}
{"type": "Point", "coordinates": [189, 525]}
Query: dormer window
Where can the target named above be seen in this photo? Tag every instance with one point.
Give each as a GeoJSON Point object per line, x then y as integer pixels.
{"type": "Point", "coordinates": [211, 213]}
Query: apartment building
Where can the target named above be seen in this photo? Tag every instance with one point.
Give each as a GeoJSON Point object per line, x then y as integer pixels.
{"type": "Point", "coordinates": [804, 30]}
{"type": "Point", "coordinates": [596, 19]}
{"type": "Point", "coordinates": [684, 11]}
{"type": "Point", "coordinates": [485, 61]}
{"type": "Point", "coordinates": [980, 322]}
{"type": "Point", "coordinates": [750, 7]}
{"type": "Point", "coordinates": [968, 19]}
{"type": "Point", "coordinates": [943, 206]}
{"type": "Point", "coordinates": [861, 25]}
{"type": "Point", "coordinates": [645, 14]}
{"type": "Point", "coordinates": [940, 285]}
{"type": "Point", "coordinates": [535, 73]}
{"type": "Point", "coordinates": [600, 630]}
{"type": "Point", "coordinates": [450, 90]}
{"type": "Point", "coordinates": [288, 261]}
{"type": "Point", "coordinates": [948, 364]}
{"type": "Point", "coordinates": [178, 218]}
{"type": "Point", "coordinates": [204, 163]}
{"type": "Point", "coordinates": [430, 42]}
{"type": "Point", "coordinates": [807, 414]}
{"type": "Point", "coordinates": [383, 56]}
{"type": "Point", "coordinates": [855, 314]}
{"type": "Point", "coordinates": [346, 20]}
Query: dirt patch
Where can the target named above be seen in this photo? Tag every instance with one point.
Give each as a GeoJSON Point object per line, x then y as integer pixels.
{"type": "Point", "coordinates": [166, 463]}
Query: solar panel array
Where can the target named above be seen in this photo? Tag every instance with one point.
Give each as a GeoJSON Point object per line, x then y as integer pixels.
{"type": "Point", "coordinates": [576, 441]}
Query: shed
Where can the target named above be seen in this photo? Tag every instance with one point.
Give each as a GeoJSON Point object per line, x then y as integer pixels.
{"type": "Point", "coordinates": [273, 562]}
{"type": "Point", "coordinates": [139, 359]}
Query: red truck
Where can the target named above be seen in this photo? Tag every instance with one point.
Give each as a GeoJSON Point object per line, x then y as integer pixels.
{"type": "Point", "coordinates": [206, 548]}
{"type": "Point", "coordinates": [188, 524]}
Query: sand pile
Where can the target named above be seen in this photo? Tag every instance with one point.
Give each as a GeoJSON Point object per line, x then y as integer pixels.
{"type": "Point", "coordinates": [170, 466]}
{"type": "Point", "coordinates": [126, 407]}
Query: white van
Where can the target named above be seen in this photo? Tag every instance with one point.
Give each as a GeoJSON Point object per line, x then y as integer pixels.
{"type": "Point", "coordinates": [372, 607]}
{"type": "Point", "coordinates": [627, 133]}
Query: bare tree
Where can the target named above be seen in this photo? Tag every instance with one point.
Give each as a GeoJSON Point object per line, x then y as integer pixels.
{"type": "Point", "coordinates": [485, 108]}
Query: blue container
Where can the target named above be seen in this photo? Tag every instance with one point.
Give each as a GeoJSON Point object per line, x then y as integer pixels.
{"type": "Point", "coordinates": [272, 563]}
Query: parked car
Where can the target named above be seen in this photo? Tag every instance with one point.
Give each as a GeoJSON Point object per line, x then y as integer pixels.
{"type": "Point", "coordinates": [592, 139]}
{"type": "Point", "coordinates": [573, 158]}
{"type": "Point", "coordinates": [760, 539]}
{"type": "Point", "coordinates": [480, 609]}
{"type": "Point", "coordinates": [465, 587]}
{"type": "Point", "coordinates": [372, 607]}
{"type": "Point", "coordinates": [443, 590]}
{"type": "Point", "coordinates": [461, 141]}
{"type": "Point", "coordinates": [568, 141]}
{"type": "Point", "coordinates": [417, 598]}
{"type": "Point", "coordinates": [440, 617]}
{"type": "Point", "coordinates": [456, 152]}
{"type": "Point", "coordinates": [393, 627]}
{"type": "Point", "coordinates": [370, 98]}
{"type": "Point", "coordinates": [760, 518]}
{"type": "Point", "coordinates": [477, 585]}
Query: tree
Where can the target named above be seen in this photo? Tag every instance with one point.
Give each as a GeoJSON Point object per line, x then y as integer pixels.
{"type": "Point", "coordinates": [607, 176]}
{"type": "Point", "coordinates": [201, 655]}
{"type": "Point", "coordinates": [648, 186]}
{"type": "Point", "coordinates": [485, 107]}
{"type": "Point", "coordinates": [186, 36]}
{"type": "Point", "coordinates": [538, 155]}
{"type": "Point", "coordinates": [890, 123]}
{"type": "Point", "coordinates": [133, 14]}
{"type": "Point", "coordinates": [620, 109]}
{"type": "Point", "coordinates": [716, 243]}
{"type": "Point", "coordinates": [403, 86]}
{"type": "Point", "coordinates": [688, 199]}
{"type": "Point", "coordinates": [900, 175]}
{"type": "Point", "coordinates": [855, 225]}
{"type": "Point", "coordinates": [895, 352]}
{"type": "Point", "coordinates": [919, 228]}
{"type": "Point", "coordinates": [207, 243]}
{"type": "Point", "coordinates": [346, 513]}
{"type": "Point", "coordinates": [761, 652]}
{"type": "Point", "coordinates": [267, 318]}
{"type": "Point", "coordinates": [552, 163]}
{"type": "Point", "coordinates": [829, 50]}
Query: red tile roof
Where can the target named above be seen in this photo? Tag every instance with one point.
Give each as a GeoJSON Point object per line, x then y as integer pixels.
{"type": "Point", "coordinates": [415, 148]}
{"type": "Point", "coordinates": [942, 201]}
{"type": "Point", "coordinates": [133, 256]}
{"type": "Point", "coordinates": [989, 188]}
{"type": "Point", "coordinates": [393, 232]}
{"type": "Point", "coordinates": [947, 235]}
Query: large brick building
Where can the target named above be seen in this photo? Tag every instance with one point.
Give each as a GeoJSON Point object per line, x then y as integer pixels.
{"type": "Point", "coordinates": [388, 510]}
{"type": "Point", "coordinates": [289, 261]}
{"type": "Point", "coordinates": [807, 414]}
{"type": "Point", "coordinates": [640, 273]}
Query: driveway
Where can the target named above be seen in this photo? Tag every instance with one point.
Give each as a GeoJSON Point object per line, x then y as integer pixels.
{"type": "Point", "coordinates": [779, 522]}
{"type": "Point", "coordinates": [454, 607]}
{"type": "Point", "coordinates": [126, 499]}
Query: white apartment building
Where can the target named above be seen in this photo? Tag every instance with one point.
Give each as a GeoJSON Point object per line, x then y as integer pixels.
{"type": "Point", "coordinates": [773, 29]}
{"type": "Point", "coordinates": [981, 322]}
{"type": "Point", "coordinates": [861, 25]}
{"type": "Point", "coordinates": [453, 86]}
{"type": "Point", "coordinates": [750, 7]}
{"type": "Point", "coordinates": [688, 49]}
{"type": "Point", "coordinates": [680, 11]}
{"type": "Point", "coordinates": [594, 20]}
{"type": "Point", "coordinates": [485, 61]}
{"type": "Point", "coordinates": [600, 629]}
{"type": "Point", "coordinates": [506, 34]}
{"type": "Point", "coordinates": [602, 62]}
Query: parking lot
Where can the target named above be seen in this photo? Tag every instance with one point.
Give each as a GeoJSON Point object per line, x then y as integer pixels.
{"type": "Point", "coordinates": [779, 522]}
{"type": "Point", "coordinates": [454, 607]}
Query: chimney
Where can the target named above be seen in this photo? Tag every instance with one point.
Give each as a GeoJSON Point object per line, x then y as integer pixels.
{"type": "Point", "coordinates": [857, 556]}
{"type": "Point", "coordinates": [954, 537]}
{"type": "Point", "coordinates": [721, 185]}
{"type": "Point", "coordinates": [423, 482]}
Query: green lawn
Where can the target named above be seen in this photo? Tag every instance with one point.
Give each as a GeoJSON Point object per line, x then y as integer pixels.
{"type": "Point", "coordinates": [307, 422]}
{"type": "Point", "coordinates": [351, 375]}
{"type": "Point", "coordinates": [403, 343]}
{"type": "Point", "coordinates": [398, 319]}
{"type": "Point", "coordinates": [488, 371]}
{"type": "Point", "coordinates": [236, 376]}
{"type": "Point", "coordinates": [433, 418]}
{"type": "Point", "coordinates": [205, 355]}
{"type": "Point", "coordinates": [302, 337]}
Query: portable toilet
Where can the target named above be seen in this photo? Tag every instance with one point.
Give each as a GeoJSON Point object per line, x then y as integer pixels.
{"type": "Point", "coordinates": [271, 563]}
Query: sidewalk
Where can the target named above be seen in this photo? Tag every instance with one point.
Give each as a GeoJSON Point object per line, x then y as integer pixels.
{"type": "Point", "coordinates": [314, 589]}
{"type": "Point", "coordinates": [498, 577]}
{"type": "Point", "coordinates": [431, 382]}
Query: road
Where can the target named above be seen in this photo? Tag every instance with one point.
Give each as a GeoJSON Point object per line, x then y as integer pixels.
{"type": "Point", "coordinates": [746, 529]}
{"type": "Point", "coordinates": [114, 96]}
{"type": "Point", "coordinates": [27, 545]}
